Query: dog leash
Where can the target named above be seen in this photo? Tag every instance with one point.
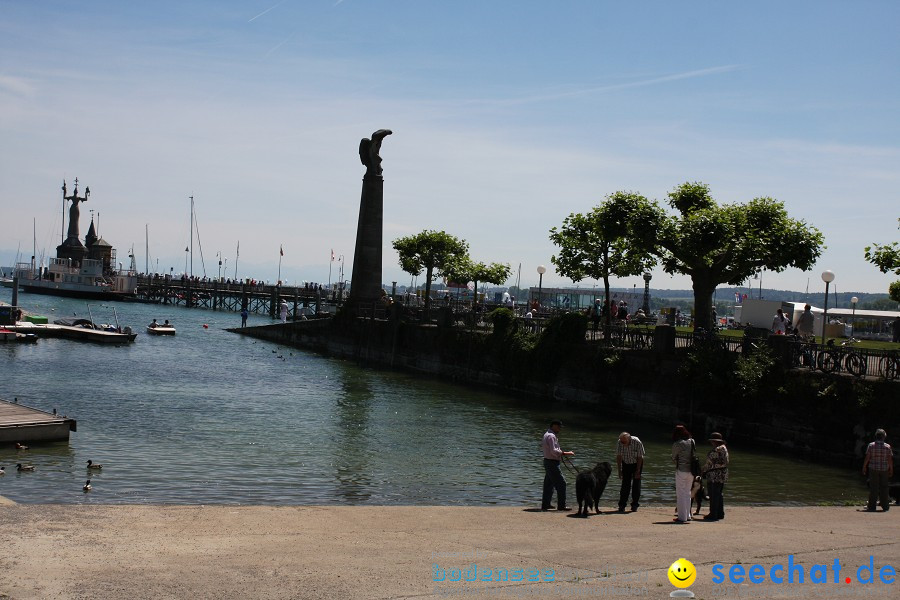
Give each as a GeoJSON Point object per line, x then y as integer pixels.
{"type": "Point", "coordinates": [570, 465]}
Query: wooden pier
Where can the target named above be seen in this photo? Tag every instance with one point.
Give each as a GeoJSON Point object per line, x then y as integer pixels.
{"type": "Point", "coordinates": [218, 295]}
{"type": "Point", "coordinates": [19, 423]}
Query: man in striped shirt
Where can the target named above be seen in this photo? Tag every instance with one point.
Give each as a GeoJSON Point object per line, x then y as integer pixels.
{"type": "Point", "coordinates": [879, 463]}
{"type": "Point", "coordinates": [630, 463]}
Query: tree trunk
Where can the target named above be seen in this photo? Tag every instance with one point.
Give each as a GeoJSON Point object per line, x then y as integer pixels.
{"type": "Point", "coordinates": [608, 318]}
{"type": "Point", "coordinates": [429, 272]}
{"type": "Point", "coordinates": [703, 291]}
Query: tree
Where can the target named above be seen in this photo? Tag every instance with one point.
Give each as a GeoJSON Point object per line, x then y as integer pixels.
{"type": "Point", "coordinates": [605, 242]}
{"type": "Point", "coordinates": [431, 251]}
{"type": "Point", "coordinates": [465, 270]}
{"type": "Point", "coordinates": [716, 244]}
{"type": "Point", "coordinates": [887, 258]}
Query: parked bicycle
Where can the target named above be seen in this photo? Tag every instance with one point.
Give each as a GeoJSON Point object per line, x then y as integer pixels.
{"type": "Point", "coordinates": [833, 358]}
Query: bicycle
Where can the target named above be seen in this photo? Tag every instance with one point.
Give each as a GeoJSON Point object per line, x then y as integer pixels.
{"type": "Point", "coordinates": [832, 359]}
{"type": "Point", "coordinates": [889, 367]}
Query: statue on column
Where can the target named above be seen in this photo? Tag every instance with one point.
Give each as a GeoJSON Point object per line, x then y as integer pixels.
{"type": "Point", "coordinates": [74, 211]}
{"type": "Point", "coordinates": [368, 151]}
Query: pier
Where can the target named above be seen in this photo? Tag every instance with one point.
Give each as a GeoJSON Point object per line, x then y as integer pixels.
{"type": "Point", "coordinates": [20, 423]}
{"type": "Point", "coordinates": [262, 299]}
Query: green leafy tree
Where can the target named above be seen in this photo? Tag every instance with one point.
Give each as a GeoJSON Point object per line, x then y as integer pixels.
{"type": "Point", "coordinates": [887, 258]}
{"type": "Point", "coordinates": [605, 242]}
{"type": "Point", "coordinates": [465, 270]}
{"type": "Point", "coordinates": [431, 251]}
{"type": "Point", "coordinates": [715, 244]}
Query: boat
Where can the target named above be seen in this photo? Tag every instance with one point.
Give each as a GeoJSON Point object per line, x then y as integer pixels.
{"type": "Point", "coordinates": [79, 270]}
{"type": "Point", "coordinates": [160, 329]}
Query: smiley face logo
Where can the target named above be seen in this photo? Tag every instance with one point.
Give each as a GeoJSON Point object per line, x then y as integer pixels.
{"type": "Point", "coordinates": [682, 573]}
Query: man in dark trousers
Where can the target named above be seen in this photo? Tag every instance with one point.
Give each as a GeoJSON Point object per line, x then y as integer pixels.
{"type": "Point", "coordinates": [630, 463]}
{"type": "Point", "coordinates": [553, 477]}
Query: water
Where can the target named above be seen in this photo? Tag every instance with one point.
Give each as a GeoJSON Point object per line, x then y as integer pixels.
{"type": "Point", "coordinates": [211, 417]}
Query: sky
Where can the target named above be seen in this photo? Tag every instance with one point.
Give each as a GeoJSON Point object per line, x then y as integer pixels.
{"type": "Point", "coordinates": [507, 117]}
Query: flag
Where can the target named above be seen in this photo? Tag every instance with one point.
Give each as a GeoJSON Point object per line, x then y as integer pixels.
{"type": "Point", "coordinates": [281, 250]}
{"type": "Point", "coordinates": [332, 255]}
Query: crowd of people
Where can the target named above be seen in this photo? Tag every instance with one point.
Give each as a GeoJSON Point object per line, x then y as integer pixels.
{"type": "Point", "coordinates": [690, 471]}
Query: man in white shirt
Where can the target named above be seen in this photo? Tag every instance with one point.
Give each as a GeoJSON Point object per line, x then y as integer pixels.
{"type": "Point", "coordinates": [553, 477]}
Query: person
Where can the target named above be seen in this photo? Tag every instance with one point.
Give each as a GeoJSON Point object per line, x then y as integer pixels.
{"type": "Point", "coordinates": [553, 477]}
{"type": "Point", "coordinates": [629, 463]}
{"type": "Point", "coordinates": [682, 450]}
{"type": "Point", "coordinates": [244, 314]}
{"type": "Point", "coordinates": [596, 313]}
{"type": "Point", "coordinates": [879, 465]}
{"type": "Point", "coordinates": [895, 330]}
{"type": "Point", "coordinates": [167, 324]}
{"type": "Point", "coordinates": [284, 311]}
{"type": "Point", "coordinates": [716, 472]}
{"type": "Point", "coordinates": [779, 323]}
{"type": "Point", "coordinates": [805, 322]}
{"type": "Point", "coordinates": [154, 324]}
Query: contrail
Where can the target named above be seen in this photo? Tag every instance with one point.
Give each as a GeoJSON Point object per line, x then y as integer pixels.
{"type": "Point", "coordinates": [621, 86]}
{"type": "Point", "coordinates": [265, 11]}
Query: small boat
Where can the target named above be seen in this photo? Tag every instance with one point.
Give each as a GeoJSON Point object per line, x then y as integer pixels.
{"type": "Point", "coordinates": [160, 329]}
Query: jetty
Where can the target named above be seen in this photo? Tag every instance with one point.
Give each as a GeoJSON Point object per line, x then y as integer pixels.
{"type": "Point", "coordinates": [19, 423]}
{"type": "Point", "coordinates": [84, 334]}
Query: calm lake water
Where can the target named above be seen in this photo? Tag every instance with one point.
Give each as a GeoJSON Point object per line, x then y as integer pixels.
{"type": "Point", "coordinates": [211, 417]}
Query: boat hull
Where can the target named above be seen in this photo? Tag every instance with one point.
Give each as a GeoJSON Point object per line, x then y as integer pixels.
{"type": "Point", "coordinates": [69, 292]}
{"type": "Point", "coordinates": [161, 330]}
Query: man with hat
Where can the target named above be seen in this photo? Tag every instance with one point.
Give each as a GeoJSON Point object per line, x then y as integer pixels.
{"type": "Point", "coordinates": [716, 472]}
{"type": "Point", "coordinates": [553, 477]}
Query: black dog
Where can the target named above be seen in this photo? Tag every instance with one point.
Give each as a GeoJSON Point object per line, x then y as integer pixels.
{"type": "Point", "coordinates": [894, 492]}
{"type": "Point", "coordinates": [589, 486]}
{"type": "Point", "coordinates": [698, 494]}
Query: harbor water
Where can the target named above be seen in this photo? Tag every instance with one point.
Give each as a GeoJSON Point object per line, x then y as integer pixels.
{"type": "Point", "coordinates": [212, 417]}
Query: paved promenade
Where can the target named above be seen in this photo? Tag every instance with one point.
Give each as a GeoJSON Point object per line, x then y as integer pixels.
{"type": "Point", "coordinates": [192, 552]}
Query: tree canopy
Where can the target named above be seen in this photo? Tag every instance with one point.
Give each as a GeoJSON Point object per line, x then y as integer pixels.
{"type": "Point", "coordinates": [728, 243]}
{"type": "Point", "coordinates": [605, 242]}
{"type": "Point", "coordinates": [887, 258]}
{"type": "Point", "coordinates": [431, 251]}
{"type": "Point", "coordinates": [465, 270]}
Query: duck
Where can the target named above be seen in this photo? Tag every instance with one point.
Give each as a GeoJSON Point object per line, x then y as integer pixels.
{"type": "Point", "coordinates": [91, 465]}
{"type": "Point", "coordinates": [2, 471]}
{"type": "Point", "coordinates": [87, 486]}
{"type": "Point", "coordinates": [21, 467]}
{"type": "Point", "coordinates": [21, 446]}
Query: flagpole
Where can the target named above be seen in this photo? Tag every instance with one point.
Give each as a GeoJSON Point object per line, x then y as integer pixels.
{"type": "Point", "coordinates": [236, 258]}
{"type": "Point", "coordinates": [329, 268]}
{"type": "Point", "coordinates": [280, 254]}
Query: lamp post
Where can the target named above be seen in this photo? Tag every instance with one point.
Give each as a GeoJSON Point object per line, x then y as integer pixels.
{"type": "Point", "coordinates": [853, 301]}
{"type": "Point", "coordinates": [541, 270]}
{"type": "Point", "coordinates": [827, 277]}
{"type": "Point", "coordinates": [219, 254]}
{"type": "Point", "coordinates": [647, 278]}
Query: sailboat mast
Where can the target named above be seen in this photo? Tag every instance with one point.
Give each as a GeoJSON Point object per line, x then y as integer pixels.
{"type": "Point", "coordinates": [192, 235]}
{"type": "Point", "coordinates": [237, 258]}
{"type": "Point", "coordinates": [147, 249]}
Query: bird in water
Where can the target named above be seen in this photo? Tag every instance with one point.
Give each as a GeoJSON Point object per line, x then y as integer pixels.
{"type": "Point", "coordinates": [91, 465]}
{"type": "Point", "coordinates": [21, 446]}
{"type": "Point", "coordinates": [87, 486]}
{"type": "Point", "coordinates": [21, 467]}
{"type": "Point", "coordinates": [2, 471]}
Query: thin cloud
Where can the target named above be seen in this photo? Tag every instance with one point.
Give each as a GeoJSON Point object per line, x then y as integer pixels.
{"type": "Point", "coordinates": [619, 86]}
{"type": "Point", "coordinates": [16, 85]}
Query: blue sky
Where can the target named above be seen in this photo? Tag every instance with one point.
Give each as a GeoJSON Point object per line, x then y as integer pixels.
{"type": "Point", "coordinates": [507, 116]}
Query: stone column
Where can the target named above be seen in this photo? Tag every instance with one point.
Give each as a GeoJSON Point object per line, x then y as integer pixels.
{"type": "Point", "coordinates": [365, 285]}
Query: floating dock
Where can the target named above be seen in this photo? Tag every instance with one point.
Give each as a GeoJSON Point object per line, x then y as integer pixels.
{"type": "Point", "coordinates": [19, 423]}
{"type": "Point", "coordinates": [84, 334]}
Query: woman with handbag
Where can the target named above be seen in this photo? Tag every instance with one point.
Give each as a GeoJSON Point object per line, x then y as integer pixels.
{"type": "Point", "coordinates": [716, 472]}
{"type": "Point", "coordinates": [682, 453]}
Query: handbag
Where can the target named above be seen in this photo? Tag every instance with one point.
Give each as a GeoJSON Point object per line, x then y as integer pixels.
{"type": "Point", "coordinates": [695, 462]}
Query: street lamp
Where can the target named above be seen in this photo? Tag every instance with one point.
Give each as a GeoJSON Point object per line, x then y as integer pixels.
{"type": "Point", "coordinates": [647, 278]}
{"type": "Point", "coordinates": [853, 301]}
{"type": "Point", "coordinates": [827, 277]}
{"type": "Point", "coordinates": [219, 254]}
{"type": "Point", "coordinates": [541, 270]}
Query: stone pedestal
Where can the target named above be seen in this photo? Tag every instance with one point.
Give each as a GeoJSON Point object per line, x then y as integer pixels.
{"type": "Point", "coordinates": [365, 285]}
